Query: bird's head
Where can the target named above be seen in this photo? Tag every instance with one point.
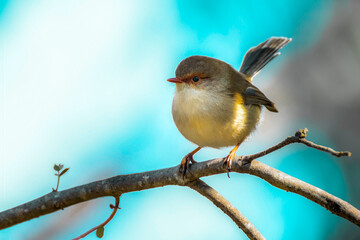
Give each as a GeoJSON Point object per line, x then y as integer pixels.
{"type": "Point", "coordinates": [202, 73]}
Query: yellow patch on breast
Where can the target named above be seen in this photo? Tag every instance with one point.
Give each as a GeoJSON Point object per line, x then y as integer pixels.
{"type": "Point", "coordinates": [240, 114]}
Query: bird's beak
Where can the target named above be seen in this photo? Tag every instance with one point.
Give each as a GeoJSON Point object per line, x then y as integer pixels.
{"type": "Point", "coordinates": [175, 80]}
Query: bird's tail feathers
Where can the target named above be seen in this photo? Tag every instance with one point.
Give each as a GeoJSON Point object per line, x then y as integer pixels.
{"type": "Point", "coordinates": [257, 57]}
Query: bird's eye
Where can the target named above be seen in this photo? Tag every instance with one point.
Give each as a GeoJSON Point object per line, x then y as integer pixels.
{"type": "Point", "coordinates": [196, 79]}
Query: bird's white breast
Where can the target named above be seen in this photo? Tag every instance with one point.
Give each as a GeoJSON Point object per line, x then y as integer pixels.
{"type": "Point", "coordinates": [207, 118]}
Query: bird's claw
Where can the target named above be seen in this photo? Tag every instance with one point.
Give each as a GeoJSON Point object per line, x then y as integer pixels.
{"type": "Point", "coordinates": [185, 164]}
{"type": "Point", "coordinates": [228, 161]}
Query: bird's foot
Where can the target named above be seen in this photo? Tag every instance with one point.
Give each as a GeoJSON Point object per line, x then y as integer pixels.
{"type": "Point", "coordinates": [229, 158]}
{"type": "Point", "coordinates": [185, 164]}
{"type": "Point", "coordinates": [228, 161]}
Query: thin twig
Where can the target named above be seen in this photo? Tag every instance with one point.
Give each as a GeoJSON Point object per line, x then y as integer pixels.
{"type": "Point", "coordinates": [324, 149]}
{"type": "Point", "coordinates": [116, 207]}
{"type": "Point", "coordinates": [58, 181]}
{"type": "Point", "coordinates": [297, 139]}
{"type": "Point", "coordinates": [222, 203]}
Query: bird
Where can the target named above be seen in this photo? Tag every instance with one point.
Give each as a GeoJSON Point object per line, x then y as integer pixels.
{"type": "Point", "coordinates": [217, 106]}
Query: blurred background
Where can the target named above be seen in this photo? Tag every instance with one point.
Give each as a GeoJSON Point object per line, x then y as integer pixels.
{"type": "Point", "coordinates": [83, 83]}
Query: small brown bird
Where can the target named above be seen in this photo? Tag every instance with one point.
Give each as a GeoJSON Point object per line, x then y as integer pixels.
{"type": "Point", "coordinates": [217, 106]}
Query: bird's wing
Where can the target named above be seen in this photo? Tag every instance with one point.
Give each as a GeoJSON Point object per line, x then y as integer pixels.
{"type": "Point", "coordinates": [252, 95]}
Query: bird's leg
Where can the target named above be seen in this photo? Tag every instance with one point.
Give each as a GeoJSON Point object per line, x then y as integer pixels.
{"type": "Point", "coordinates": [230, 157]}
{"type": "Point", "coordinates": [185, 162]}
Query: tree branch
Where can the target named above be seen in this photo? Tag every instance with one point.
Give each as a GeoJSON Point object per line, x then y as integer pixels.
{"type": "Point", "coordinates": [118, 185]}
{"type": "Point", "coordinates": [288, 183]}
{"type": "Point", "coordinates": [222, 203]}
